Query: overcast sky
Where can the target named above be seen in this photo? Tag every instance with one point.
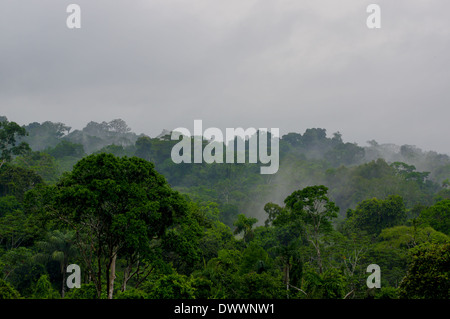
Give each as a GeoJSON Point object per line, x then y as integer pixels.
{"type": "Point", "coordinates": [292, 65]}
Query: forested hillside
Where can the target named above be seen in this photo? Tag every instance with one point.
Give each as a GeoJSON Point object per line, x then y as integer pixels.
{"type": "Point", "coordinates": [141, 226]}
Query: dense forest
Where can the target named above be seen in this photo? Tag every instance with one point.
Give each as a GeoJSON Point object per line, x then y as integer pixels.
{"type": "Point", "coordinates": [140, 226]}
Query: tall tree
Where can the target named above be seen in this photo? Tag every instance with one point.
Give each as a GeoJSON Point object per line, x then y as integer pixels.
{"type": "Point", "coordinates": [317, 211]}
{"type": "Point", "coordinates": [115, 205]}
{"type": "Point", "coordinates": [288, 228]}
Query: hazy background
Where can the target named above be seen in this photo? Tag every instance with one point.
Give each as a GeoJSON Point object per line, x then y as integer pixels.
{"type": "Point", "coordinates": [251, 63]}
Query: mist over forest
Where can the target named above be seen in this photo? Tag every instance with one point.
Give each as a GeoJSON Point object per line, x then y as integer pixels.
{"type": "Point", "coordinates": [313, 157]}
{"type": "Point", "coordinates": [218, 227]}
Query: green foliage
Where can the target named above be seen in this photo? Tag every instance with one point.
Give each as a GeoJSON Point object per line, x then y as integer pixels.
{"type": "Point", "coordinates": [95, 135]}
{"type": "Point", "coordinates": [116, 150]}
{"type": "Point", "coordinates": [131, 293]}
{"type": "Point", "coordinates": [58, 246]}
{"type": "Point", "coordinates": [181, 243]}
{"type": "Point", "coordinates": [329, 285]}
{"type": "Point", "coordinates": [408, 172]}
{"type": "Point", "coordinates": [228, 214]}
{"type": "Point", "coordinates": [387, 293]}
{"type": "Point", "coordinates": [259, 286]}
{"type": "Point", "coordinates": [20, 270]}
{"type": "Point", "coordinates": [172, 286]}
{"type": "Point", "coordinates": [16, 181]}
{"type": "Point", "coordinates": [86, 291]}
{"type": "Point", "coordinates": [376, 179]}
{"type": "Point", "coordinates": [438, 216]}
{"type": "Point", "coordinates": [428, 275]}
{"type": "Point", "coordinates": [144, 148]}
{"type": "Point", "coordinates": [202, 287]}
{"type": "Point", "coordinates": [254, 259]}
{"type": "Point", "coordinates": [66, 149]}
{"type": "Point", "coordinates": [314, 207]}
{"type": "Point", "coordinates": [45, 135]}
{"type": "Point", "coordinates": [316, 211]}
{"type": "Point", "coordinates": [244, 225]}
{"type": "Point", "coordinates": [17, 229]}
{"type": "Point", "coordinates": [373, 215]}
{"type": "Point", "coordinates": [345, 154]}
{"type": "Point", "coordinates": [9, 133]}
{"type": "Point", "coordinates": [9, 204]}
{"type": "Point", "coordinates": [408, 237]}
{"type": "Point", "coordinates": [7, 291]}
{"type": "Point", "coordinates": [41, 163]}
{"type": "Point", "coordinates": [44, 290]}
{"type": "Point", "coordinates": [392, 249]}
{"type": "Point", "coordinates": [215, 238]}
{"type": "Point", "coordinates": [221, 271]}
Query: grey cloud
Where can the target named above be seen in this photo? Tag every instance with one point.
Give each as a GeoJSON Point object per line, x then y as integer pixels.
{"type": "Point", "coordinates": [288, 64]}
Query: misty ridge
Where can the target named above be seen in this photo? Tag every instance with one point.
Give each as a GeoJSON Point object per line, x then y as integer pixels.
{"type": "Point", "coordinates": [350, 171]}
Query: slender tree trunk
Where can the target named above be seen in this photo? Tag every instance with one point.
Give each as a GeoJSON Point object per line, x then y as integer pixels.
{"type": "Point", "coordinates": [315, 241]}
{"type": "Point", "coordinates": [126, 277]}
{"type": "Point", "coordinates": [287, 267]}
{"type": "Point", "coordinates": [63, 288]}
{"type": "Point", "coordinates": [99, 279]}
{"type": "Point", "coordinates": [99, 265]}
{"type": "Point", "coordinates": [64, 275]}
{"type": "Point", "coordinates": [112, 275]}
{"type": "Point", "coordinates": [319, 258]}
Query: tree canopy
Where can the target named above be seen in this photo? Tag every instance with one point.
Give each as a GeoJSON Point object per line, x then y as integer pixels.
{"type": "Point", "coordinates": [141, 226]}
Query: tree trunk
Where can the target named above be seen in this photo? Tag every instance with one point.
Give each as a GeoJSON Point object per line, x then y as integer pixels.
{"type": "Point", "coordinates": [63, 288]}
{"type": "Point", "coordinates": [112, 275]}
{"type": "Point", "coordinates": [319, 259]}
{"type": "Point", "coordinates": [64, 275]}
{"type": "Point", "coordinates": [316, 245]}
{"type": "Point", "coordinates": [287, 268]}
{"type": "Point", "coordinates": [98, 283]}
{"type": "Point", "coordinates": [126, 277]}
